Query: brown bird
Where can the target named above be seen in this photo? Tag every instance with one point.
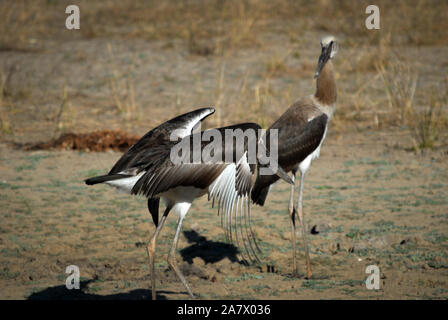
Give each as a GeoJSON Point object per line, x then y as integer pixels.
{"type": "Point", "coordinates": [147, 168]}
{"type": "Point", "coordinates": [301, 132]}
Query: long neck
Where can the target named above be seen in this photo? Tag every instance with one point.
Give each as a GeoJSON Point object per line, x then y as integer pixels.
{"type": "Point", "coordinates": [326, 86]}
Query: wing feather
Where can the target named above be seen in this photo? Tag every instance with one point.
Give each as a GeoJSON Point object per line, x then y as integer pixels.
{"type": "Point", "coordinates": [230, 190]}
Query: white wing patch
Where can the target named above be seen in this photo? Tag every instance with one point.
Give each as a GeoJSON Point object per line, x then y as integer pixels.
{"type": "Point", "coordinates": [231, 192]}
{"type": "Point", "coordinates": [126, 184]}
{"type": "Point", "coordinates": [189, 125]}
{"type": "Point", "coordinates": [306, 163]}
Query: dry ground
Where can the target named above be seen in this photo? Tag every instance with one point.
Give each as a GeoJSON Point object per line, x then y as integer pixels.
{"type": "Point", "coordinates": [374, 196]}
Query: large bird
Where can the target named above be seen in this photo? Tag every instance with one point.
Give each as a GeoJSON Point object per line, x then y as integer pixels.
{"type": "Point", "coordinates": [301, 131]}
{"type": "Point", "coordinates": [164, 164]}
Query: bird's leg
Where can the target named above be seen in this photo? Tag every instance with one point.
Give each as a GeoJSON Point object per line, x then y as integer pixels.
{"type": "Point", "coordinates": [172, 257]}
{"type": "Point", "coordinates": [302, 223]}
{"type": "Point", "coordinates": [151, 248]}
{"type": "Point", "coordinates": [293, 227]}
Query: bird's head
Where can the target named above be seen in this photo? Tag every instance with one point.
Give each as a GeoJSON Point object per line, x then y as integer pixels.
{"type": "Point", "coordinates": [330, 47]}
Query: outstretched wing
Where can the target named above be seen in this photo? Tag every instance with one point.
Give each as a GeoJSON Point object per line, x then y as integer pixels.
{"type": "Point", "coordinates": [151, 151]}
{"type": "Point", "coordinates": [228, 178]}
{"type": "Point", "coordinates": [231, 191]}
{"type": "Point", "coordinates": [152, 147]}
{"type": "Point", "coordinates": [202, 172]}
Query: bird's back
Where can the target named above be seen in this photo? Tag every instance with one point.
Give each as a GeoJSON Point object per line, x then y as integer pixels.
{"type": "Point", "coordinates": [157, 142]}
{"type": "Point", "coordinates": [300, 131]}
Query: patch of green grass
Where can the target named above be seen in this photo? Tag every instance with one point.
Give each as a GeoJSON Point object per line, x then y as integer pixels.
{"type": "Point", "coordinates": [372, 162]}
{"type": "Point", "coordinates": [6, 274]}
{"type": "Point", "coordinates": [429, 257]}
{"type": "Point", "coordinates": [95, 288]}
{"type": "Point", "coordinates": [5, 185]}
{"type": "Point", "coordinates": [244, 277]}
{"type": "Point", "coordinates": [32, 161]}
{"type": "Point", "coordinates": [438, 265]}
{"type": "Point", "coordinates": [359, 211]}
{"type": "Point", "coordinates": [8, 252]}
{"type": "Point", "coordinates": [92, 173]}
{"type": "Point", "coordinates": [279, 212]}
{"type": "Point", "coordinates": [350, 282]}
{"type": "Point", "coordinates": [385, 226]}
{"type": "Point", "coordinates": [324, 187]}
{"type": "Point", "coordinates": [381, 227]}
{"type": "Point", "coordinates": [259, 287]}
{"type": "Point", "coordinates": [435, 237]}
{"type": "Point", "coordinates": [349, 291]}
{"type": "Point", "coordinates": [318, 284]}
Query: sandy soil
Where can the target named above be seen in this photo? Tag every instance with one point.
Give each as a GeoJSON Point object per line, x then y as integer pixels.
{"type": "Point", "coordinates": [369, 199]}
{"type": "Point", "coordinates": [371, 204]}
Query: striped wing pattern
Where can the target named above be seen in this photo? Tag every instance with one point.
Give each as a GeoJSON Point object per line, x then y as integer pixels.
{"type": "Point", "coordinates": [231, 192]}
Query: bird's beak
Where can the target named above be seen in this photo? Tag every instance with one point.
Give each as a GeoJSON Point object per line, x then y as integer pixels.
{"type": "Point", "coordinates": [282, 174]}
{"type": "Point", "coordinates": [324, 57]}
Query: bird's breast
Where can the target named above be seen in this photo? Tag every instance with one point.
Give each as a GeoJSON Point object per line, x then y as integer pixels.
{"type": "Point", "coordinates": [183, 194]}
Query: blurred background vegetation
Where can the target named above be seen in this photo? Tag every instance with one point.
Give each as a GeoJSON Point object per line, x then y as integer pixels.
{"type": "Point", "coordinates": [144, 61]}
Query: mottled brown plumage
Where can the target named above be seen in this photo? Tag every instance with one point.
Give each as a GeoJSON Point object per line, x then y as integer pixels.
{"type": "Point", "coordinates": [301, 131]}
{"type": "Point", "coordinates": [326, 93]}
{"type": "Point", "coordinates": [161, 174]}
{"type": "Point", "coordinates": [147, 168]}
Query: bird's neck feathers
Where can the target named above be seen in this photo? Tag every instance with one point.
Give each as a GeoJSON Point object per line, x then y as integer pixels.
{"type": "Point", "coordinates": [326, 86]}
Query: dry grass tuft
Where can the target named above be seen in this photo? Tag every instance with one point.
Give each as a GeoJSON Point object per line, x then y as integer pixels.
{"type": "Point", "coordinates": [122, 89]}
{"type": "Point", "coordinates": [21, 22]}
{"type": "Point", "coordinates": [5, 124]}
{"type": "Point", "coordinates": [224, 24]}
{"type": "Point", "coordinates": [217, 30]}
{"type": "Point", "coordinates": [427, 124]}
{"type": "Point", "coordinates": [275, 66]}
{"type": "Point", "coordinates": [400, 83]}
{"type": "Point", "coordinates": [62, 118]}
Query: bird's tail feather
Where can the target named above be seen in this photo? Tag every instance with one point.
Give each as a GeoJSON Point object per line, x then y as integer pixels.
{"type": "Point", "coordinates": [259, 195]}
{"type": "Point", "coordinates": [107, 177]}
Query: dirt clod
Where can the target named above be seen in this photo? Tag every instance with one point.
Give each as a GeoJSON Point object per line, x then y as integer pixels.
{"type": "Point", "coordinates": [98, 141]}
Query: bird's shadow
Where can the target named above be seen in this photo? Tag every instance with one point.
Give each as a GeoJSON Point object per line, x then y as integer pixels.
{"type": "Point", "coordinates": [209, 251]}
{"type": "Point", "coordinates": [62, 293]}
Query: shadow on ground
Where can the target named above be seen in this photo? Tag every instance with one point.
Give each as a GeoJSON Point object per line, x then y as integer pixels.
{"type": "Point", "coordinates": [62, 293]}
{"type": "Point", "coordinates": [208, 251]}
